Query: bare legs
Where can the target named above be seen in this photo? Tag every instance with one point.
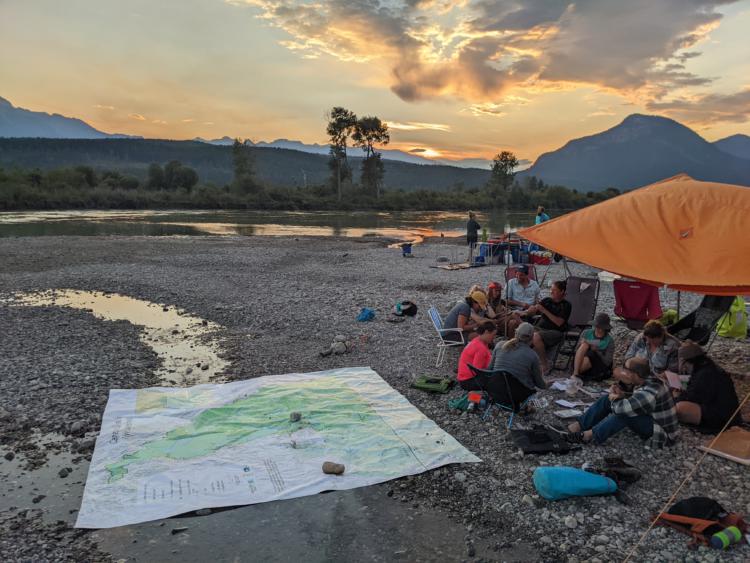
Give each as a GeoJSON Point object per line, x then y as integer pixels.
{"type": "Point", "coordinates": [688, 413]}
{"type": "Point", "coordinates": [581, 363]}
{"type": "Point", "coordinates": [538, 344]}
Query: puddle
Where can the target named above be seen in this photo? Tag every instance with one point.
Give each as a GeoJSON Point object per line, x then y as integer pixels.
{"type": "Point", "coordinates": [60, 496]}
{"type": "Point", "coordinates": [179, 339]}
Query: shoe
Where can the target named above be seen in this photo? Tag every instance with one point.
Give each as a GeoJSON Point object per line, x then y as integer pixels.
{"type": "Point", "coordinates": [574, 437]}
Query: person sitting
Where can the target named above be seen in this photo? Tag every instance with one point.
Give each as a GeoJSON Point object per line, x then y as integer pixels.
{"type": "Point", "coordinates": [655, 345]}
{"type": "Point", "coordinates": [461, 317]}
{"type": "Point", "coordinates": [522, 292]}
{"type": "Point", "coordinates": [593, 359]}
{"type": "Point", "coordinates": [710, 399]}
{"type": "Point", "coordinates": [649, 411]}
{"type": "Point", "coordinates": [516, 357]}
{"type": "Point", "coordinates": [477, 353]}
{"type": "Point", "coordinates": [506, 320]}
{"type": "Point", "coordinates": [550, 329]}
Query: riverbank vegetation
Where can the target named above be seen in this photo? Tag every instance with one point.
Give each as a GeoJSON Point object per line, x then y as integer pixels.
{"type": "Point", "coordinates": [176, 186]}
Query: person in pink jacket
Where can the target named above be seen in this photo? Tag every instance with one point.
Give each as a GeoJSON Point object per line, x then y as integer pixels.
{"type": "Point", "coordinates": [476, 353]}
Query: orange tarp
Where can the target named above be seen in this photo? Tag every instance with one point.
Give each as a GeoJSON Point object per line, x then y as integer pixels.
{"type": "Point", "coordinates": [689, 235]}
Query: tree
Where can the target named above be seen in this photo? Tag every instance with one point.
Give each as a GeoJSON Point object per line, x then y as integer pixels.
{"type": "Point", "coordinates": [155, 177]}
{"type": "Point", "coordinates": [368, 132]}
{"type": "Point", "coordinates": [185, 177]}
{"type": "Point", "coordinates": [244, 168]}
{"type": "Point", "coordinates": [502, 169]}
{"type": "Point", "coordinates": [170, 174]}
{"type": "Point", "coordinates": [341, 124]}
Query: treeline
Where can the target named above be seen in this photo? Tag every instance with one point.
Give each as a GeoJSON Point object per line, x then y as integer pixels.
{"type": "Point", "coordinates": [174, 185]}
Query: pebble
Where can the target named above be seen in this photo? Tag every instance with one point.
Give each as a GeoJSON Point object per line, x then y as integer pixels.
{"type": "Point", "coordinates": [571, 522]}
{"type": "Point", "coordinates": [64, 472]}
{"type": "Point", "coordinates": [179, 530]}
{"type": "Point", "coordinates": [332, 468]}
{"type": "Point", "coordinates": [10, 456]}
{"type": "Point", "coordinates": [203, 512]}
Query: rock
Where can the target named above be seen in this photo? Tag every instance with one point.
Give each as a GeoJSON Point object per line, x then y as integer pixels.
{"type": "Point", "coordinates": [188, 371]}
{"type": "Point", "coordinates": [175, 331]}
{"type": "Point", "coordinates": [338, 348]}
{"type": "Point", "coordinates": [339, 338]}
{"type": "Point", "coordinates": [204, 322]}
{"type": "Point", "coordinates": [295, 417]}
{"type": "Point", "coordinates": [601, 540]}
{"type": "Point", "coordinates": [64, 472]}
{"type": "Point", "coordinates": [527, 500]}
{"type": "Point", "coordinates": [38, 498]}
{"type": "Point", "coordinates": [10, 456]}
{"type": "Point", "coordinates": [471, 550]}
{"type": "Point", "coordinates": [178, 530]}
{"type": "Point", "coordinates": [203, 512]}
{"type": "Point", "coordinates": [78, 427]}
{"type": "Point", "coordinates": [4, 413]}
{"type": "Point", "coordinates": [204, 367]}
{"type": "Point", "coordinates": [460, 476]}
{"type": "Point", "coordinates": [328, 352]}
{"type": "Point", "coordinates": [571, 522]}
{"type": "Point", "coordinates": [331, 468]}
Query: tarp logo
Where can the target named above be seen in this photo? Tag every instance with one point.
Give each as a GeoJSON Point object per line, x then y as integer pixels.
{"type": "Point", "coordinates": [686, 233]}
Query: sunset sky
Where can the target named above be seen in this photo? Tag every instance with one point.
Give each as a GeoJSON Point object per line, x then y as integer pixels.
{"type": "Point", "coordinates": [453, 79]}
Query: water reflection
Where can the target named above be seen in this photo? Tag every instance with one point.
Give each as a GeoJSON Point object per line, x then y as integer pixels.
{"type": "Point", "coordinates": [399, 225]}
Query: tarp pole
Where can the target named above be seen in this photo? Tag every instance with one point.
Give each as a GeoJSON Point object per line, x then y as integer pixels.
{"type": "Point", "coordinates": [678, 304]}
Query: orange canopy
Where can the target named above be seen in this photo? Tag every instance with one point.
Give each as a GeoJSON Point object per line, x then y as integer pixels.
{"type": "Point", "coordinates": [689, 235]}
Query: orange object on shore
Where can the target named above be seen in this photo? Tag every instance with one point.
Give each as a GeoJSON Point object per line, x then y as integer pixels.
{"type": "Point", "coordinates": [680, 232]}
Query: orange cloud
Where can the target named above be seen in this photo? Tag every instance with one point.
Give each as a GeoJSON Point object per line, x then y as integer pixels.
{"type": "Point", "coordinates": [137, 116]}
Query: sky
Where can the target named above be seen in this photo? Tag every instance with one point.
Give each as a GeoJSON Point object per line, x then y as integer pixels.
{"type": "Point", "coordinates": [461, 79]}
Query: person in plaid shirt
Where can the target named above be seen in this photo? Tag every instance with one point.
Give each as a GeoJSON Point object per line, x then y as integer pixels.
{"type": "Point", "coordinates": [649, 411]}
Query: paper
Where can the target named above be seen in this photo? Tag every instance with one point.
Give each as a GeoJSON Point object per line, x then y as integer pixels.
{"type": "Point", "coordinates": [568, 413]}
{"type": "Point", "coordinates": [674, 380]}
{"type": "Point", "coordinates": [569, 404]}
{"type": "Point", "coordinates": [560, 385]}
{"type": "Point", "coordinates": [165, 451]}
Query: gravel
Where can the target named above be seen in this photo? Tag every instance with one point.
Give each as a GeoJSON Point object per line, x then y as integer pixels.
{"type": "Point", "coordinates": [281, 302]}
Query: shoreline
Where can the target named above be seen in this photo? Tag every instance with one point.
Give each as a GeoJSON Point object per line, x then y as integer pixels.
{"type": "Point", "coordinates": [278, 306]}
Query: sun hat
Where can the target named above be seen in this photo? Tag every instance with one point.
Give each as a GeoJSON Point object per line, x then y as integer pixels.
{"type": "Point", "coordinates": [602, 321]}
{"type": "Point", "coordinates": [690, 350]}
{"type": "Point", "coordinates": [525, 332]}
{"type": "Point", "coordinates": [479, 297]}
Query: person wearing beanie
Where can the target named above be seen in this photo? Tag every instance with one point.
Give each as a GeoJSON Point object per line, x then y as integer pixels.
{"type": "Point", "coordinates": [461, 317]}
{"type": "Point", "coordinates": [710, 399]}
{"type": "Point", "coordinates": [516, 357]}
{"type": "Point", "coordinates": [593, 359]}
{"type": "Point", "coordinates": [648, 411]}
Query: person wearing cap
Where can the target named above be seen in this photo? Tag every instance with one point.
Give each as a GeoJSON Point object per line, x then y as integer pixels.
{"type": "Point", "coordinates": [648, 411]}
{"type": "Point", "coordinates": [710, 399]}
{"type": "Point", "coordinates": [516, 357]}
{"type": "Point", "coordinates": [460, 316]}
{"type": "Point", "coordinates": [593, 359]}
{"type": "Point", "coordinates": [522, 292]}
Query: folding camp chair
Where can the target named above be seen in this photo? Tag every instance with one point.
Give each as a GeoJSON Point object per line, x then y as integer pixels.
{"type": "Point", "coordinates": [583, 295]}
{"type": "Point", "coordinates": [444, 343]}
{"type": "Point", "coordinates": [510, 271]}
{"type": "Point", "coordinates": [636, 302]}
{"type": "Point", "coordinates": [502, 398]}
{"type": "Point", "coordinates": [701, 324]}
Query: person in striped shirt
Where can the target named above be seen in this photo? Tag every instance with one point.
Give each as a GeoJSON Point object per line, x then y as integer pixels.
{"type": "Point", "coordinates": [649, 410]}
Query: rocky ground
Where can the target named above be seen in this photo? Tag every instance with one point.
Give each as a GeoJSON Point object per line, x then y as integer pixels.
{"type": "Point", "coordinates": [282, 301]}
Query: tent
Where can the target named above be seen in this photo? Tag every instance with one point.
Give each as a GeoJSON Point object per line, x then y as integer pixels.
{"type": "Point", "coordinates": [680, 232]}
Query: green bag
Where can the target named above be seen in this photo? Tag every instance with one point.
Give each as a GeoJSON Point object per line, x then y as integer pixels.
{"type": "Point", "coordinates": [669, 317]}
{"type": "Point", "coordinates": [461, 403]}
{"type": "Point", "coordinates": [734, 323]}
{"type": "Point", "coordinates": [433, 384]}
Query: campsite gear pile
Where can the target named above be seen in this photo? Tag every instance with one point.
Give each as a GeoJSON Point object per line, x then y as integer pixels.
{"type": "Point", "coordinates": [705, 521]}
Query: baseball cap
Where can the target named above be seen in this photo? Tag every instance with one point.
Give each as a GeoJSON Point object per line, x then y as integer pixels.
{"type": "Point", "coordinates": [523, 269]}
{"type": "Point", "coordinates": [525, 332]}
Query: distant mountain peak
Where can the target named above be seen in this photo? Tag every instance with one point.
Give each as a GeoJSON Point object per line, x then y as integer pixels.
{"type": "Point", "coordinates": [5, 103]}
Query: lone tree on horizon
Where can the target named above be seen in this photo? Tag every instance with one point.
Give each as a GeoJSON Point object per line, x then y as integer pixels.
{"type": "Point", "coordinates": [503, 166]}
{"type": "Point", "coordinates": [244, 168]}
{"type": "Point", "coordinates": [341, 123]}
{"type": "Point", "coordinates": [368, 132]}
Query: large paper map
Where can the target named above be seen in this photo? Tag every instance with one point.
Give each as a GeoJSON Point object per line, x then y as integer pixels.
{"type": "Point", "coordinates": [166, 451]}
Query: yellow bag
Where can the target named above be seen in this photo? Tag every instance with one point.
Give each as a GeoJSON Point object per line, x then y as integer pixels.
{"type": "Point", "coordinates": [734, 323]}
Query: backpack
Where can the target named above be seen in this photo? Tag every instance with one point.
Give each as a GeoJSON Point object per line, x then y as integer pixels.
{"type": "Point", "coordinates": [540, 440]}
{"type": "Point", "coordinates": [405, 308]}
{"type": "Point", "coordinates": [433, 384]}
{"type": "Point", "coordinates": [558, 482]}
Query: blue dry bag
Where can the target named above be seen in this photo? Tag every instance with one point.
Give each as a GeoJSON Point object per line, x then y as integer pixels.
{"type": "Point", "coordinates": [556, 483]}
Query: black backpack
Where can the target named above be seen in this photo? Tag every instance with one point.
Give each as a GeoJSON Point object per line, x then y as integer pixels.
{"type": "Point", "coordinates": [405, 308]}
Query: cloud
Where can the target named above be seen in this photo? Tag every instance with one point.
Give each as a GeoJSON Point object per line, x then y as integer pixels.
{"type": "Point", "coordinates": [707, 108]}
{"type": "Point", "coordinates": [159, 122]}
{"type": "Point", "coordinates": [188, 120]}
{"type": "Point", "coordinates": [137, 116]}
{"type": "Point", "coordinates": [100, 106]}
{"type": "Point", "coordinates": [480, 50]}
{"type": "Point", "coordinates": [418, 126]}
{"type": "Point", "coordinates": [208, 123]}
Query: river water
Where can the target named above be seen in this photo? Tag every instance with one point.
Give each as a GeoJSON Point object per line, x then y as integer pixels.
{"type": "Point", "coordinates": [397, 225]}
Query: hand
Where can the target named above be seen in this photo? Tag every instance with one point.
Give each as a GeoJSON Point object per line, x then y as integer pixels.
{"type": "Point", "coordinates": [525, 306]}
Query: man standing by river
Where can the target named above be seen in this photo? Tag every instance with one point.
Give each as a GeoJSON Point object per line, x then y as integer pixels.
{"type": "Point", "coordinates": [472, 234]}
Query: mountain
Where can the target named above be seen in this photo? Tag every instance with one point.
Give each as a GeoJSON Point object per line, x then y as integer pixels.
{"type": "Point", "coordinates": [387, 154]}
{"type": "Point", "coordinates": [641, 150]}
{"type": "Point", "coordinates": [19, 122]}
{"type": "Point", "coordinates": [278, 167]}
{"type": "Point", "coordinates": [737, 145]}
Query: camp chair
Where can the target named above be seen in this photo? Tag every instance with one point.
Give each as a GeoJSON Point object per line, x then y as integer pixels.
{"type": "Point", "coordinates": [510, 271]}
{"type": "Point", "coordinates": [504, 401]}
{"type": "Point", "coordinates": [636, 302]}
{"type": "Point", "coordinates": [700, 324]}
{"type": "Point", "coordinates": [583, 295]}
{"type": "Point", "coordinates": [437, 322]}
